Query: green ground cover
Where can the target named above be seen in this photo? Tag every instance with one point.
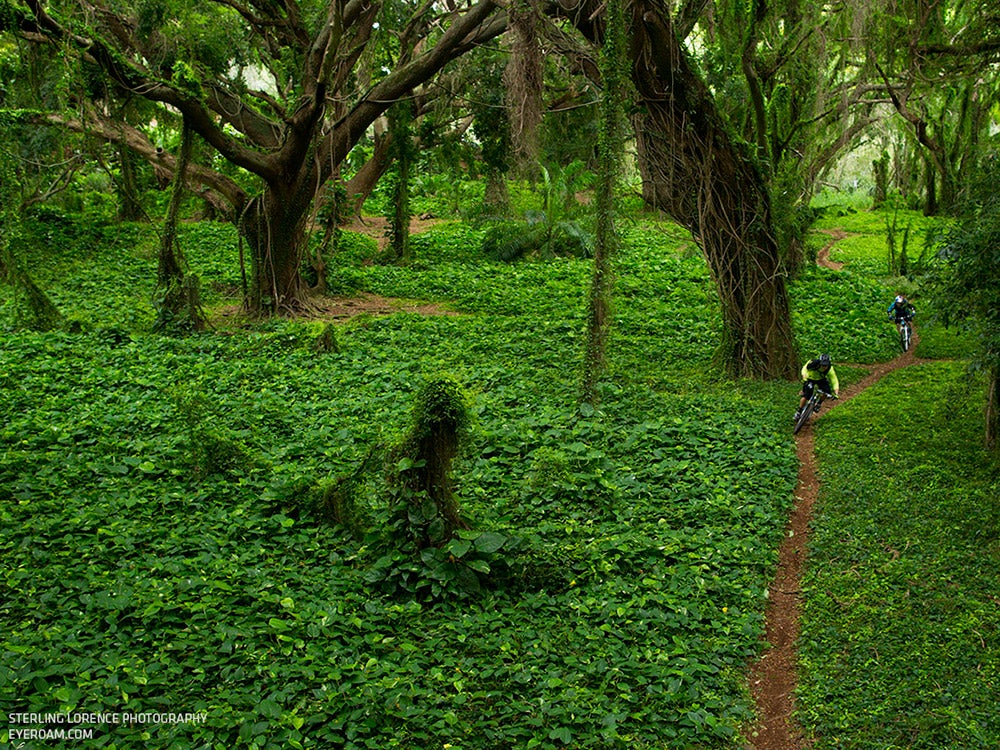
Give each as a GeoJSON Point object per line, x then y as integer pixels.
{"type": "Point", "coordinates": [900, 644]}
{"type": "Point", "coordinates": [163, 554]}
{"type": "Point", "coordinates": [865, 258]}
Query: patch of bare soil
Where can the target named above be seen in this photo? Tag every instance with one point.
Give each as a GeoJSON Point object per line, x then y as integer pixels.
{"type": "Point", "coordinates": [378, 226]}
{"type": "Point", "coordinates": [774, 677]}
{"type": "Point", "coordinates": [344, 308]}
{"type": "Point", "coordinates": [371, 304]}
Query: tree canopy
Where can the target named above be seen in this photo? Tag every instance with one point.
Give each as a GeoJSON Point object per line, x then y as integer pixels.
{"type": "Point", "coordinates": [279, 91]}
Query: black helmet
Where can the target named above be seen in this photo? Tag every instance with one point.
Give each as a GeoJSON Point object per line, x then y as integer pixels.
{"type": "Point", "coordinates": [825, 361]}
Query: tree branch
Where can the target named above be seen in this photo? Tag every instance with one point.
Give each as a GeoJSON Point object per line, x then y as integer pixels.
{"type": "Point", "coordinates": [199, 179]}
{"type": "Point", "coordinates": [132, 78]}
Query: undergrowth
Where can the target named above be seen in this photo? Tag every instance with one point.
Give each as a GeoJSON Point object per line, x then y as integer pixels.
{"type": "Point", "coordinates": [191, 524]}
{"type": "Point", "coordinates": [900, 645]}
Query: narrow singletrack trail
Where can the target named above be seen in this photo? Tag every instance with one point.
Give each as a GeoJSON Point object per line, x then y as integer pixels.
{"type": "Point", "coordinates": [774, 676]}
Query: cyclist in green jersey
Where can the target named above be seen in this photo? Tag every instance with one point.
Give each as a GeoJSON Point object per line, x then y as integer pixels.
{"type": "Point", "coordinates": [819, 373]}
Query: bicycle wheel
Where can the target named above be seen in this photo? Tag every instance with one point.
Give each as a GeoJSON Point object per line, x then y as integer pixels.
{"type": "Point", "coordinates": [904, 336]}
{"type": "Point", "coordinates": [804, 416]}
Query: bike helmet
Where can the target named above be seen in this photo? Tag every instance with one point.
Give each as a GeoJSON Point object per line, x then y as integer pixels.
{"type": "Point", "coordinates": [825, 361]}
{"type": "Point", "coordinates": [900, 299]}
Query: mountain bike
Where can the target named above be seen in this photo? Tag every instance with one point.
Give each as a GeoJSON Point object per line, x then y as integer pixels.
{"type": "Point", "coordinates": [812, 406]}
{"type": "Point", "coordinates": [905, 333]}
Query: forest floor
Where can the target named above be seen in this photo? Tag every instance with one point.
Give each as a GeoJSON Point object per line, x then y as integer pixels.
{"type": "Point", "coordinates": [774, 677]}
{"type": "Point", "coordinates": [329, 307]}
{"type": "Point", "coordinates": [372, 304]}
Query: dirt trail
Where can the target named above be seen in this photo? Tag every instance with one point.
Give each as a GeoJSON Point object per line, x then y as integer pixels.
{"type": "Point", "coordinates": [823, 256]}
{"type": "Point", "coordinates": [774, 677]}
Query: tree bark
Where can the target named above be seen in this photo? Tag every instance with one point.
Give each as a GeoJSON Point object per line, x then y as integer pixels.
{"type": "Point", "coordinates": [695, 172]}
{"type": "Point", "coordinates": [363, 183]}
{"type": "Point", "coordinates": [274, 225]}
{"type": "Point", "coordinates": [129, 206]}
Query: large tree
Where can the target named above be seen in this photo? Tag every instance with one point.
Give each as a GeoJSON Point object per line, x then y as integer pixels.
{"type": "Point", "coordinates": [701, 175]}
{"type": "Point", "coordinates": [699, 171]}
{"type": "Point", "coordinates": [279, 90]}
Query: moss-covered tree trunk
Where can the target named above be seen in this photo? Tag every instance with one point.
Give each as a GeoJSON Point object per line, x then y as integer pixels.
{"type": "Point", "coordinates": [426, 507]}
{"type": "Point", "coordinates": [129, 206]}
{"type": "Point", "coordinates": [176, 296]}
{"type": "Point", "coordinates": [611, 148]}
{"type": "Point", "coordinates": [402, 150]}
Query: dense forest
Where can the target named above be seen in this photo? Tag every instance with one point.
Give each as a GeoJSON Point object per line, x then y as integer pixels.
{"type": "Point", "coordinates": [421, 375]}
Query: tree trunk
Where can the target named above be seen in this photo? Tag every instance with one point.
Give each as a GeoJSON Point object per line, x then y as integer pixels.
{"type": "Point", "coordinates": [274, 226]}
{"type": "Point", "coordinates": [403, 154]}
{"type": "Point", "coordinates": [880, 171]}
{"type": "Point", "coordinates": [694, 171]}
{"type": "Point", "coordinates": [993, 411]}
{"type": "Point", "coordinates": [931, 192]}
{"type": "Point", "coordinates": [496, 196]}
{"type": "Point", "coordinates": [176, 298]}
{"type": "Point", "coordinates": [361, 186]}
{"type": "Point", "coordinates": [129, 206]}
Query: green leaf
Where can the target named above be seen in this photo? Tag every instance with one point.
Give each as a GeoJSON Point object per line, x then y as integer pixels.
{"type": "Point", "coordinates": [489, 542]}
{"type": "Point", "coordinates": [269, 708]}
{"type": "Point", "coordinates": [458, 547]}
{"type": "Point", "coordinates": [478, 565]}
{"type": "Point", "coordinates": [563, 734]}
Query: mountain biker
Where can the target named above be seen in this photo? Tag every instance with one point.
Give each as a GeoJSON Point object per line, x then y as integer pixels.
{"type": "Point", "coordinates": [901, 309]}
{"type": "Point", "coordinates": [818, 373]}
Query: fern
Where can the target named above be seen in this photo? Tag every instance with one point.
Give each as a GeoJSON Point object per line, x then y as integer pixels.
{"type": "Point", "coordinates": [509, 241]}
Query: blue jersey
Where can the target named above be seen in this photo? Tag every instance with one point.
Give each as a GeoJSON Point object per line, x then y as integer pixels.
{"type": "Point", "coordinates": [902, 309]}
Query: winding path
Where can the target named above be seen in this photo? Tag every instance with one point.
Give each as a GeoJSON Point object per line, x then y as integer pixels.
{"type": "Point", "coordinates": [774, 677]}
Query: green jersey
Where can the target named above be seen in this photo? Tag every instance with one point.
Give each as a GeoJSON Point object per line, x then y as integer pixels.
{"type": "Point", "coordinates": [811, 370]}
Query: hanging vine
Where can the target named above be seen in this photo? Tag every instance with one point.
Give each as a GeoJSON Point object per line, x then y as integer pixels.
{"type": "Point", "coordinates": [523, 80]}
{"type": "Point", "coordinates": [611, 147]}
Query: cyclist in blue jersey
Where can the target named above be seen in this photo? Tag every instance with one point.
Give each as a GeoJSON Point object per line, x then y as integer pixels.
{"type": "Point", "coordinates": [901, 309]}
